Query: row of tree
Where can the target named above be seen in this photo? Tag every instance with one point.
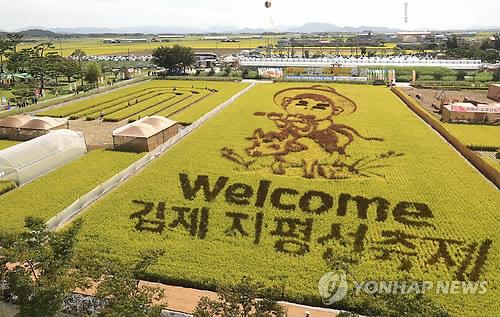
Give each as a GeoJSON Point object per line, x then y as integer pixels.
{"type": "Point", "coordinates": [487, 50]}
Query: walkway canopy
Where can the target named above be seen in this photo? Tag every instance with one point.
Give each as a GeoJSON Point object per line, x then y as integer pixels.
{"type": "Point", "coordinates": [27, 161]}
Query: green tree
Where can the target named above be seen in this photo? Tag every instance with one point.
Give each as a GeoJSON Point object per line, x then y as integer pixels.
{"type": "Point", "coordinates": [79, 55]}
{"type": "Point", "coordinates": [461, 75]}
{"type": "Point", "coordinates": [496, 75]}
{"type": "Point", "coordinates": [5, 47]}
{"type": "Point", "coordinates": [69, 68]}
{"type": "Point", "coordinates": [452, 42]}
{"type": "Point", "coordinates": [41, 59]}
{"type": "Point", "coordinates": [174, 58]}
{"type": "Point", "coordinates": [43, 273]}
{"type": "Point", "coordinates": [120, 288]}
{"type": "Point", "coordinates": [15, 39]}
{"type": "Point", "coordinates": [18, 61]}
{"type": "Point", "coordinates": [92, 73]}
{"type": "Point", "coordinates": [240, 300]}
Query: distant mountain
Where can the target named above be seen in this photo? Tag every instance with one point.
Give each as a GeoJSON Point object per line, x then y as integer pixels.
{"type": "Point", "coordinates": [332, 28]}
{"type": "Point", "coordinates": [36, 31]}
{"type": "Point", "coordinates": [126, 30]}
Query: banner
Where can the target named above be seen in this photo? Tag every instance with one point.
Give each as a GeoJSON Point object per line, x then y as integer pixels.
{"type": "Point", "coordinates": [270, 72]}
{"type": "Point", "coordinates": [327, 78]}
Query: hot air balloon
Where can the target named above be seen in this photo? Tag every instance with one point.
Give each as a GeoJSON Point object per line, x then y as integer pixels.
{"type": "Point", "coordinates": [268, 4]}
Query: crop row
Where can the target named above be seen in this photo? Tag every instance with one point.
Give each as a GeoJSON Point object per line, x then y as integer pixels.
{"type": "Point", "coordinates": [115, 96]}
{"type": "Point", "coordinates": [224, 92]}
{"type": "Point", "coordinates": [192, 102]}
{"type": "Point", "coordinates": [80, 106]}
{"type": "Point", "coordinates": [432, 213]}
{"type": "Point", "coordinates": [125, 100]}
{"type": "Point", "coordinates": [159, 107]}
{"type": "Point", "coordinates": [138, 108]}
{"type": "Point", "coordinates": [151, 97]}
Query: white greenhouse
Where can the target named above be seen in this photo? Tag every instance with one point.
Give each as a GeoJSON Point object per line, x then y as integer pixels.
{"type": "Point", "coordinates": [27, 161]}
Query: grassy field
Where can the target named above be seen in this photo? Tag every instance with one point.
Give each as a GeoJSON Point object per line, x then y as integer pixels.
{"type": "Point", "coordinates": [189, 101]}
{"type": "Point", "coordinates": [260, 191]}
{"type": "Point", "coordinates": [50, 194]}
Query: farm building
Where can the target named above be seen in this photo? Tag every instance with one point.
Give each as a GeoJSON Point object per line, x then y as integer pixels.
{"type": "Point", "coordinates": [494, 92]}
{"type": "Point", "coordinates": [27, 161]}
{"type": "Point", "coordinates": [469, 113]}
{"type": "Point", "coordinates": [24, 127]}
{"type": "Point", "coordinates": [144, 135]}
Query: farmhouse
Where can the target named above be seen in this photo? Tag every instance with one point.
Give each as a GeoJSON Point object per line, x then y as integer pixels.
{"type": "Point", "coordinates": [27, 161]}
{"type": "Point", "coordinates": [144, 135]}
{"type": "Point", "coordinates": [25, 127]}
{"type": "Point", "coordinates": [494, 92]}
{"type": "Point", "coordinates": [468, 112]}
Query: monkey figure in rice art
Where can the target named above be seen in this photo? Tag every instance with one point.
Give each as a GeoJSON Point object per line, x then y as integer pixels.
{"type": "Point", "coordinates": [309, 115]}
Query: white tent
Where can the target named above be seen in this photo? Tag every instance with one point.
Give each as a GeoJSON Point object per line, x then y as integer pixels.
{"type": "Point", "coordinates": [27, 161]}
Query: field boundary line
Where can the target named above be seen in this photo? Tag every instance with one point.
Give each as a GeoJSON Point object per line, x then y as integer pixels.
{"type": "Point", "coordinates": [474, 159]}
{"type": "Point", "coordinates": [74, 209]}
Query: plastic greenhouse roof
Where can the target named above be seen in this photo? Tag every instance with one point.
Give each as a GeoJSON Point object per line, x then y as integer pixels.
{"type": "Point", "coordinates": [40, 155]}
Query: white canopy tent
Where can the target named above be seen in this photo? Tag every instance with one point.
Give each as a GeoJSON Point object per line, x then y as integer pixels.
{"type": "Point", "coordinates": [27, 161]}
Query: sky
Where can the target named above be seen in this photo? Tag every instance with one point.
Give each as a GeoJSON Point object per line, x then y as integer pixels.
{"type": "Point", "coordinates": [423, 14]}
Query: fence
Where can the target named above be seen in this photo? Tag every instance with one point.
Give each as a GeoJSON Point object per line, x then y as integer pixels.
{"type": "Point", "coordinates": [76, 207]}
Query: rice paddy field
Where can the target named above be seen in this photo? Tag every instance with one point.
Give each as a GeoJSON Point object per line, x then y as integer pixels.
{"type": "Point", "coordinates": [48, 195]}
{"type": "Point", "coordinates": [7, 143]}
{"type": "Point", "coordinates": [95, 46]}
{"type": "Point", "coordinates": [476, 135]}
{"type": "Point", "coordinates": [290, 176]}
{"type": "Point", "coordinates": [185, 101]}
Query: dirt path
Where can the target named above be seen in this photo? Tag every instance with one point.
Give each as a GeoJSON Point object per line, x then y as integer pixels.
{"type": "Point", "coordinates": [184, 300]}
{"type": "Point", "coordinates": [98, 134]}
{"type": "Point", "coordinates": [427, 96]}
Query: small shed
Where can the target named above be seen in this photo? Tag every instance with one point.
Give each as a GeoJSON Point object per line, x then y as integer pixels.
{"type": "Point", "coordinates": [25, 127]}
{"type": "Point", "coordinates": [144, 135]}
{"type": "Point", "coordinates": [494, 92]}
{"type": "Point", "coordinates": [27, 161]}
